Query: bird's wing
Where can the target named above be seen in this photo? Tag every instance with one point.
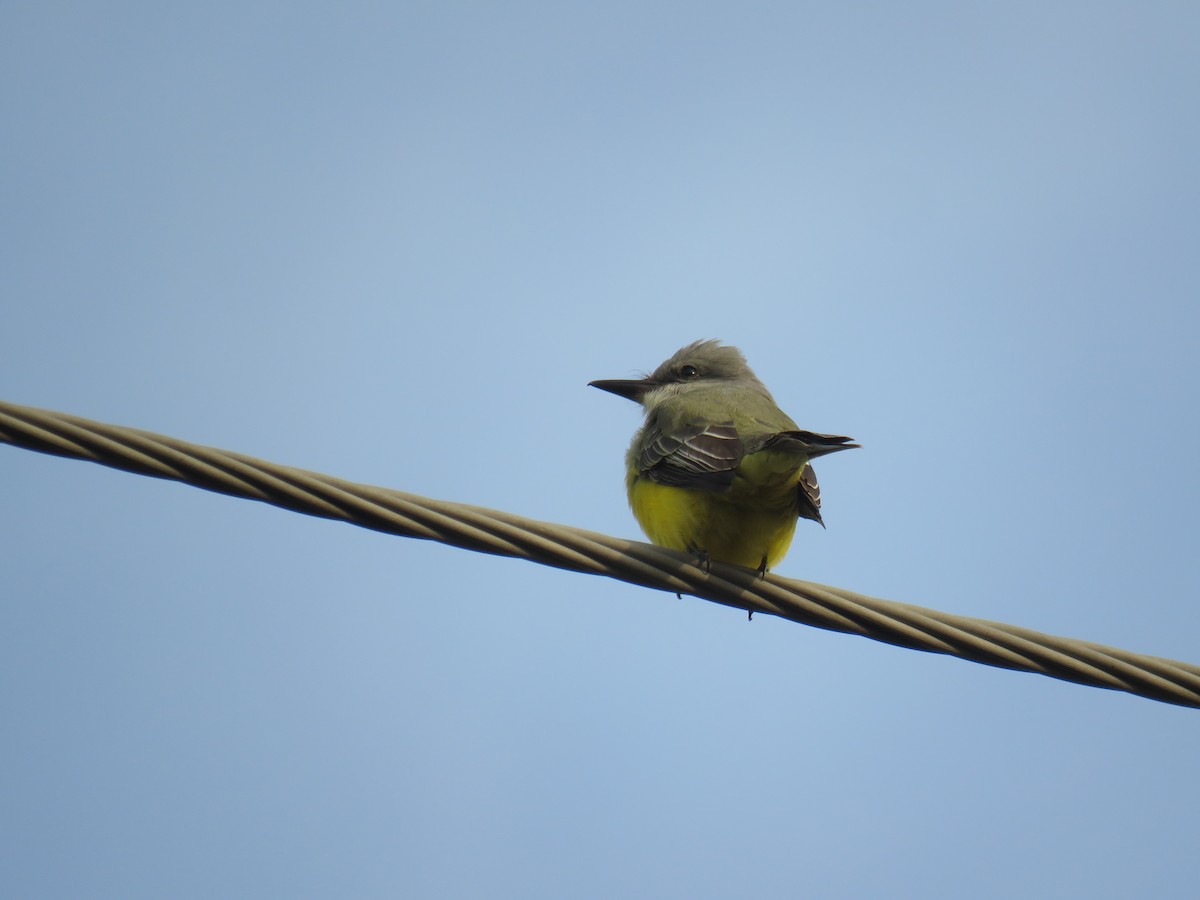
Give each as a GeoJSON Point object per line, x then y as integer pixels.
{"type": "Point", "coordinates": [697, 455]}
{"type": "Point", "coordinates": [811, 445]}
{"type": "Point", "coordinates": [809, 494]}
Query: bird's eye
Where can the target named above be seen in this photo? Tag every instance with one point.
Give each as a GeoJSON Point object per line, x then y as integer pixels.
{"type": "Point", "coordinates": [689, 371]}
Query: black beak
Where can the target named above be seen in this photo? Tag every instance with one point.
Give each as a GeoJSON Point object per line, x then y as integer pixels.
{"type": "Point", "coordinates": [630, 389]}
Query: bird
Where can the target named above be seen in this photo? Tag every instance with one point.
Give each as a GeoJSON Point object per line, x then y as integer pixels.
{"type": "Point", "coordinates": [717, 468]}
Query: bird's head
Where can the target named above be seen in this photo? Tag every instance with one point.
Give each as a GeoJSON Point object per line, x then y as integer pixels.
{"type": "Point", "coordinates": [698, 364]}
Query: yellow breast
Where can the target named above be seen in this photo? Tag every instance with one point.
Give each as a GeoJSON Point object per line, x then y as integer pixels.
{"type": "Point", "coordinates": [753, 521]}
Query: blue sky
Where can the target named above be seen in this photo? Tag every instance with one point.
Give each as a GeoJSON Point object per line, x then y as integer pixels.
{"type": "Point", "coordinates": [393, 242]}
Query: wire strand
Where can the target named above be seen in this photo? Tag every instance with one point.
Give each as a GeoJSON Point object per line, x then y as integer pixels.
{"type": "Point", "coordinates": [505, 534]}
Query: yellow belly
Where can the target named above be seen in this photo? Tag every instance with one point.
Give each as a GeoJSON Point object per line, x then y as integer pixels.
{"type": "Point", "coordinates": [745, 525]}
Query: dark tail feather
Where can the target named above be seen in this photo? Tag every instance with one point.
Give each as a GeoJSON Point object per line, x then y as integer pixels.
{"type": "Point", "coordinates": [809, 443]}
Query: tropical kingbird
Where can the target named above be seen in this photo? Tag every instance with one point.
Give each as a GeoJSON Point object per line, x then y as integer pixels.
{"type": "Point", "coordinates": [718, 469]}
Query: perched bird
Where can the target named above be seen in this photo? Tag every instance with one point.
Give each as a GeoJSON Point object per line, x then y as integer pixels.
{"type": "Point", "coordinates": [718, 469]}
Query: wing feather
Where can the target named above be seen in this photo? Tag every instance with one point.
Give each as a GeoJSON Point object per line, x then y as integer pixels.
{"type": "Point", "coordinates": [698, 455]}
{"type": "Point", "coordinates": [809, 495]}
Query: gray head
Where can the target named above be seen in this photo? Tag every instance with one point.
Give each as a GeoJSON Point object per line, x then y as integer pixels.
{"type": "Point", "coordinates": [699, 363]}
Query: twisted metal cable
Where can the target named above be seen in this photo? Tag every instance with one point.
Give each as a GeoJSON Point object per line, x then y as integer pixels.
{"type": "Point", "coordinates": [492, 531]}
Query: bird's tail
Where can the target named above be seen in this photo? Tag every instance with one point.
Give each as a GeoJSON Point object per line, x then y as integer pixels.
{"type": "Point", "coordinates": [808, 443]}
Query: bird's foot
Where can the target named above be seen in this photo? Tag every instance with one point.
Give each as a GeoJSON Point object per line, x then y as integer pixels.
{"type": "Point", "coordinates": [762, 573]}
